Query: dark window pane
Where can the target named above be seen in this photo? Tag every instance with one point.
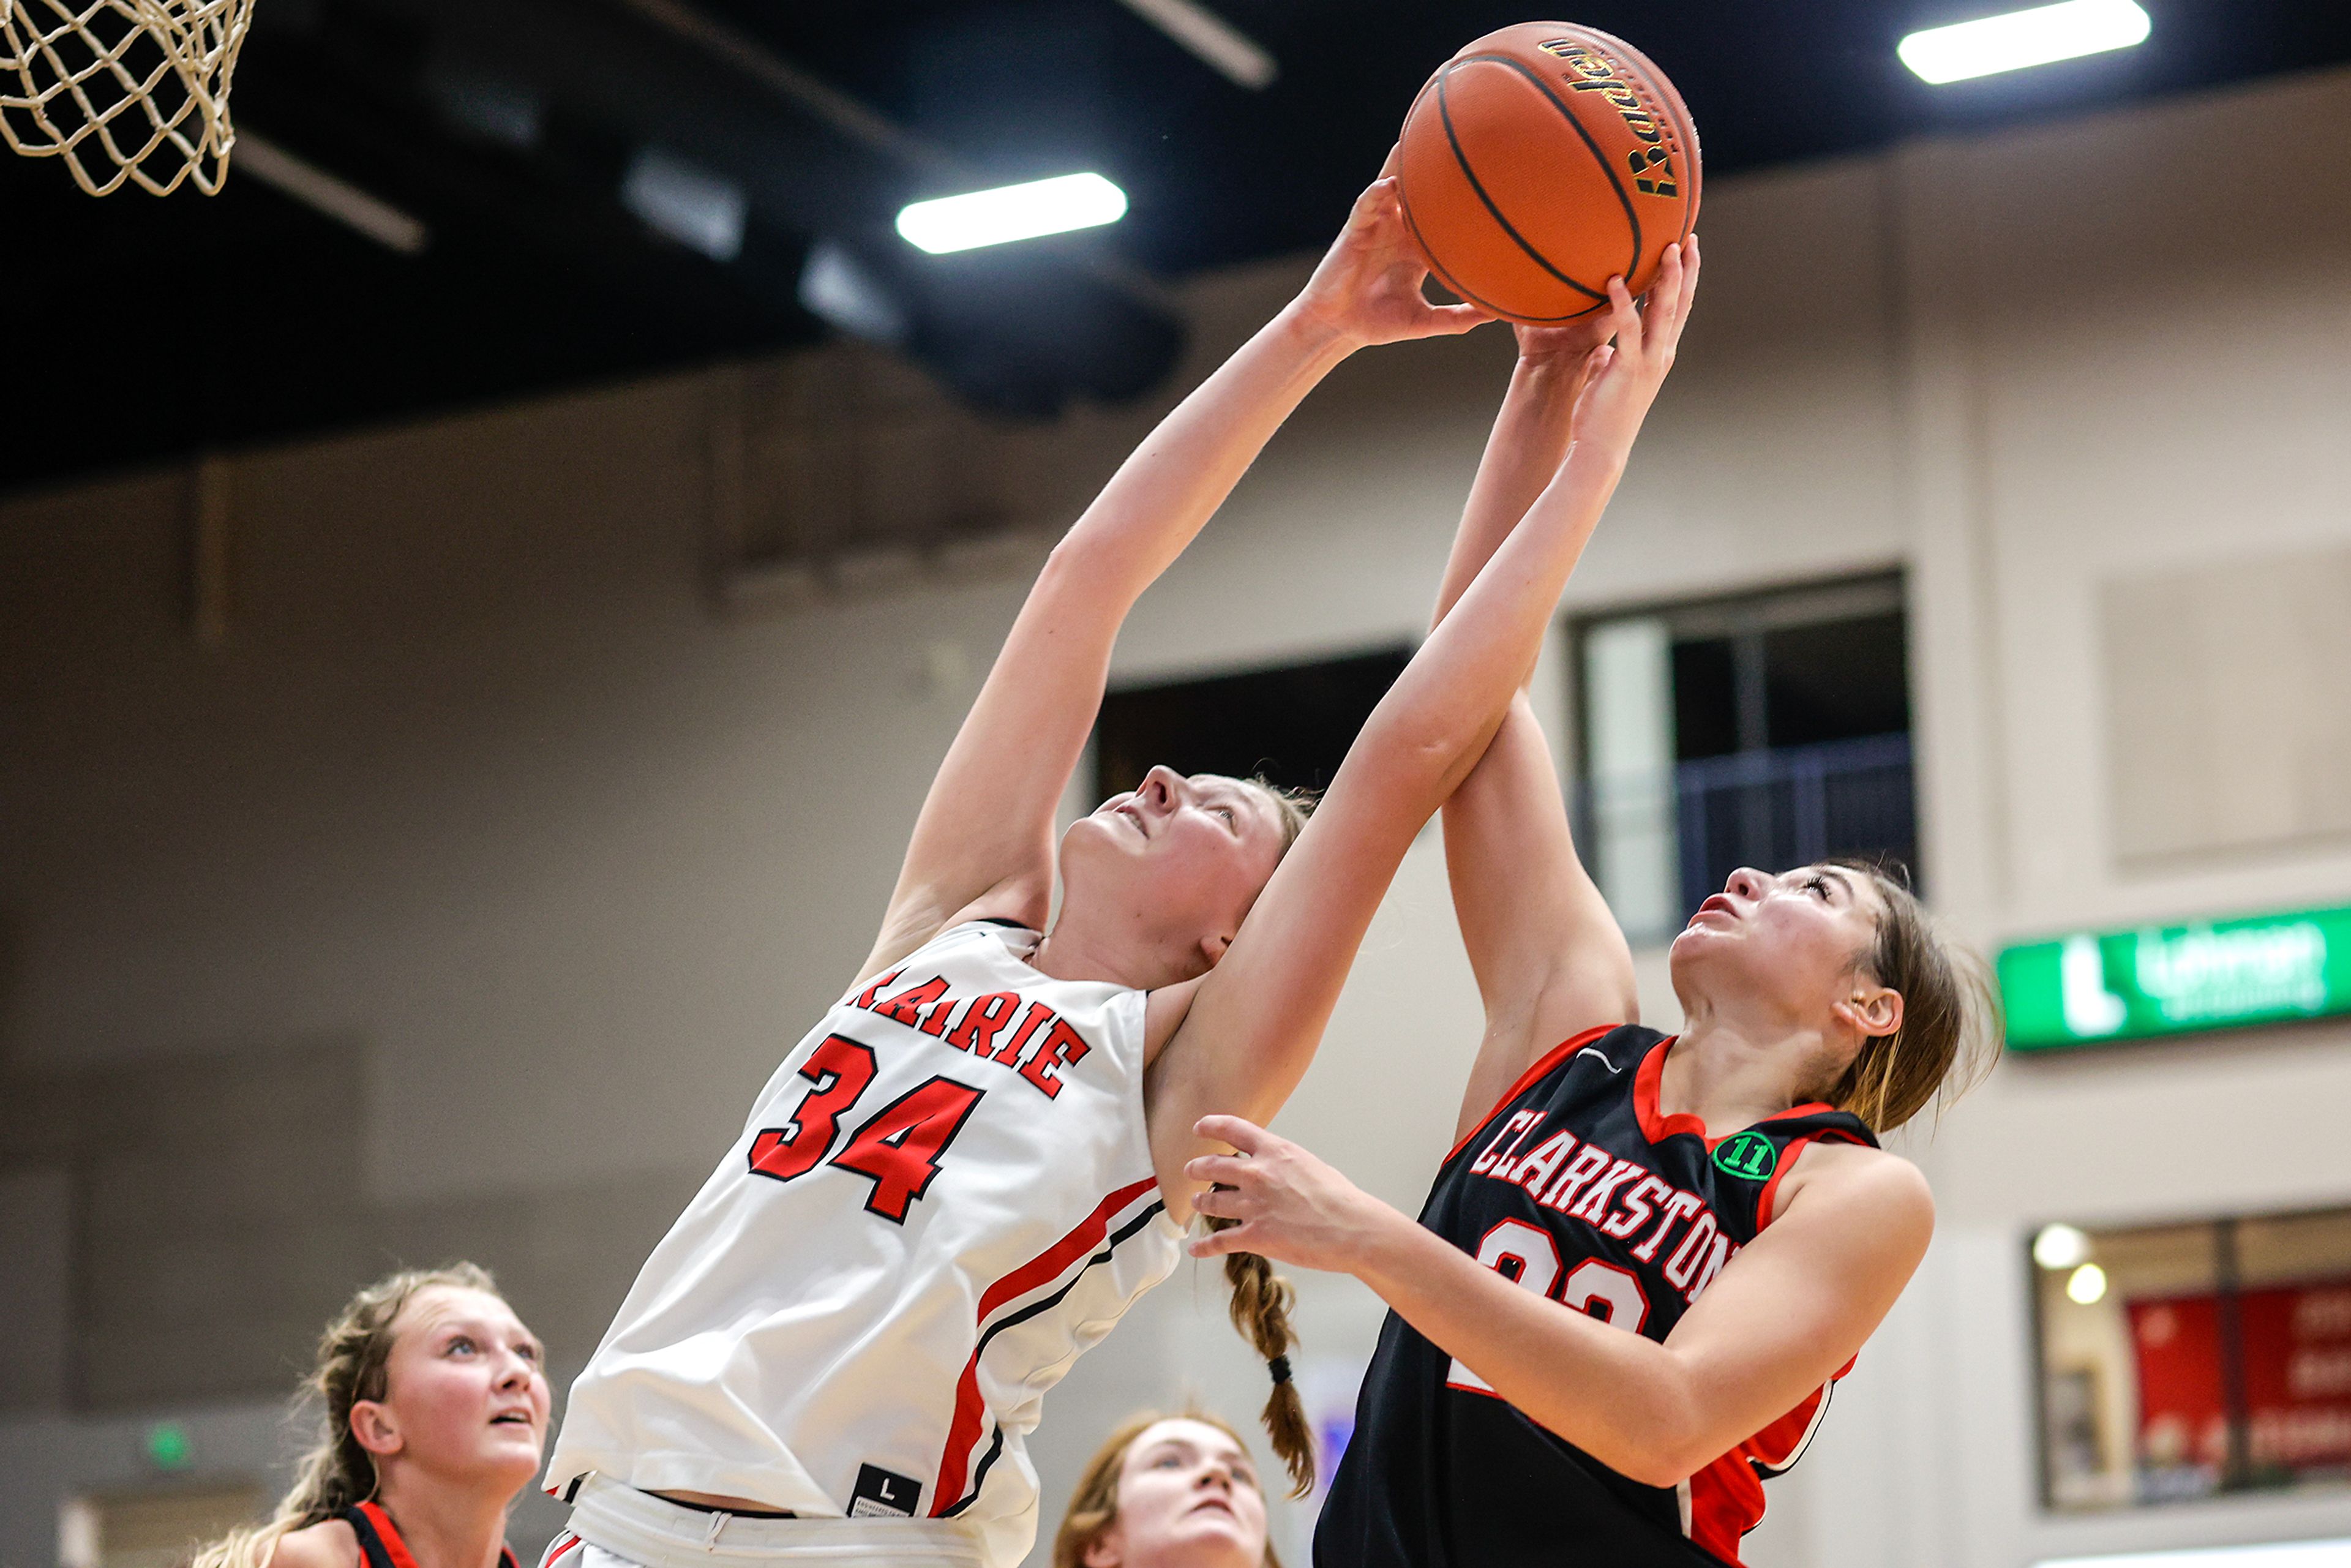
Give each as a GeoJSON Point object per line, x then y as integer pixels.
{"type": "Point", "coordinates": [1292, 725]}
{"type": "Point", "coordinates": [1792, 805]}
{"type": "Point", "coordinates": [1705, 699]}
{"type": "Point", "coordinates": [1836, 680]}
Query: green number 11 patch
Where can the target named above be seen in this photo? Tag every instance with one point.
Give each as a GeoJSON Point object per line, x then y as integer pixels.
{"type": "Point", "coordinates": [1748, 1155]}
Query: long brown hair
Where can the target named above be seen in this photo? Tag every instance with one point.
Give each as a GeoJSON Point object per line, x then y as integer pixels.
{"type": "Point", "coordinates": [337, 1473]}
{"type": "Point", "coordinates": [1950, 1016]}
{"type": "Point", "coordinates": [1093, 1506]}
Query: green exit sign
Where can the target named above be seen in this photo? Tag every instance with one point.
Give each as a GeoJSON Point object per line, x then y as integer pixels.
{"type": "Point", "coordinates": [2176, 979]}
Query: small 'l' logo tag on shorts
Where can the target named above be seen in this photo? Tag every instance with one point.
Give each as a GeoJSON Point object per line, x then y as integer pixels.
{"type": "Point", "coordinates": [883, 1494]}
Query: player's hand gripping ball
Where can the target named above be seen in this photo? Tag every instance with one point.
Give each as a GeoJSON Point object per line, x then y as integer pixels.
{"type": "Point", "coordinates": [1542, 161]}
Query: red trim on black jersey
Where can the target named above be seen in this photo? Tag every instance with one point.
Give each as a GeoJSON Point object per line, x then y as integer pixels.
{"type": "Point", "coordinates": [1551, 1059]}
{"type": "Point", "coordinates": [379, 1541]}
{"type": "Point", "coordinates": [1778, 1447]}
{"type": "Point", "coordinates": [1726, 1501]}
{"type": "Point", "coordinates": [963, 1434]}
{"type": "Point", "coordinates": [1767, 1202]}
{"type": "Point", "coordinates": [1657, 1127]}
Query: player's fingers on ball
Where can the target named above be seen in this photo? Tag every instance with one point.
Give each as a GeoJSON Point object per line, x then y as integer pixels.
{"type": "Point", "coordinates": [1660, 310]}
{"type": "Point", "coordinates": [1627, 319]}
{"type": "Point", "coordinates": [1388, 165]}
{"type": "Point", "coordinates": [1460, 318]}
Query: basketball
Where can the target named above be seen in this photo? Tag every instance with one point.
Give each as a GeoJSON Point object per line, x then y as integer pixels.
{"type": "Point", "coordinates": [1541, 162]}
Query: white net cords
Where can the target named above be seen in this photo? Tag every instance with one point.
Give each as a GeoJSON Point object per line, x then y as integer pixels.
{"type": "Point", "coordinates": [122, 90]}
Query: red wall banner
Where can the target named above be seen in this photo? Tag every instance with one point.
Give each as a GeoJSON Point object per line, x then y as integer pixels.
{"type": "Point", "coordinates": [2297, 1350]}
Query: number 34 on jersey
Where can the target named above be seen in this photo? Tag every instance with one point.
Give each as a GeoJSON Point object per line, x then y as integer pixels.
{"type": "Point", "coordinates": [898, 1147]}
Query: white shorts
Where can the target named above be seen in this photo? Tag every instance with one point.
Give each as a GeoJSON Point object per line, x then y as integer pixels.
{"type": "Point", "coordinates": [614, 1526]}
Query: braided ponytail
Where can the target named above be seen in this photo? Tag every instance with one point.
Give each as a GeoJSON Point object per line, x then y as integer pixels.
{"type": "Point", "coordinates": [1262, 1299]}
{"type": "Point", "coordinates": [1261, 1309]}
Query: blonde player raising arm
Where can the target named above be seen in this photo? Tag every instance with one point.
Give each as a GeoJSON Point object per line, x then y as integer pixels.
{"type": "Point", "coordinates": [973, 1163]}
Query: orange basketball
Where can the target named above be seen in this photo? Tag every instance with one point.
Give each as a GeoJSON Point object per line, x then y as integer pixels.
{"type": "Point", "coordinates": [1542, 161]}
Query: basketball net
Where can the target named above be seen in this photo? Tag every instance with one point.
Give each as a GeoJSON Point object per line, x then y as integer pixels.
{"type": "Point", "coordinates": [122, 90]}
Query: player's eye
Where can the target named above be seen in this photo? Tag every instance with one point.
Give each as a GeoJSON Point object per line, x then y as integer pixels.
{"type": "Point", "coordinates": [463, 1343]}
{"type": "Point", "coordinates": [1227, 813]}
{"type": "Point", "coordinates": [530, 1353]}
{"type": "Point", "coordinates": [1819, 885]}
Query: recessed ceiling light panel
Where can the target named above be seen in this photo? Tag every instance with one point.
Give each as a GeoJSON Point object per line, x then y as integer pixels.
{"type": "Point", "coordinates": [2021, 39]}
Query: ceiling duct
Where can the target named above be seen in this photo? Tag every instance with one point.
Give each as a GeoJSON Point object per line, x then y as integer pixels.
{"type": "Point", "coordinates": [1020, 332]}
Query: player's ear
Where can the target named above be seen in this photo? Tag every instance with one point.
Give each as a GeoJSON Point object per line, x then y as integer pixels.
{"type": "Point", "coordinates": [376, 1428]}
{"type": "Point", "coordinates": [1873, 1011]}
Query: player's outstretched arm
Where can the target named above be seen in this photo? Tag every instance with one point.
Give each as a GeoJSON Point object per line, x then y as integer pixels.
{"type": "Point", "coordinates": [984, 841]}
{"type": "Point", "coordinates": [1781, 1318]}
{"type": "Point", "coordinates": [1548, 955]}
{"type": "Point", "coordinates": [1253, 1021]}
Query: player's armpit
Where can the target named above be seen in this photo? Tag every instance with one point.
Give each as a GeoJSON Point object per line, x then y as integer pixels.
{"type": "Point", "coordinates": [1799, 1300]}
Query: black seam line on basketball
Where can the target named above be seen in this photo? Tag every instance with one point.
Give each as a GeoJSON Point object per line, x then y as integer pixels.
{"type": "Point", "coordinates": [1445, 118]}
{"type": "Point", "coordinates": [1623, 197]}
{"type": "Point", "coordinates": [1488, 306]}
{"type": "Point", "coordinates": [1119, 1235]}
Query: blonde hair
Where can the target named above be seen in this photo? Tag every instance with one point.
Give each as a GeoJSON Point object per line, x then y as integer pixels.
{"type": "Point", "coordinates": [1950, 1016]}
{"type": "Point", "coordinates": [337, 1473]}
{"type": "Point", "coordinates": [1093, 1506]}
{"type": "Point", "coordinates": [1296, 807]}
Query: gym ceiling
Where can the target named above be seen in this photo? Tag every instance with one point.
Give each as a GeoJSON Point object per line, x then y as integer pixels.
{"type": "Point", "coordinates": [148, 330]}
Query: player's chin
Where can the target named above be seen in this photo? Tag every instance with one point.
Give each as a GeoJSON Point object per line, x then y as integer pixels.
{"type": "Point", "coordinates": [1203, 1525]}
{"type": "Point", "coordinates": [1693, 938]}
{"type": "Point", "coordinates": [511, 1448]}
{"type": "Point", "coordinates": [1103, 832]}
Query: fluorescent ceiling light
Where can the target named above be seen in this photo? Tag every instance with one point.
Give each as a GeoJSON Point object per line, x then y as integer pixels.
{"type": "Point", "coordinates": [2021, 39]}
{"type": "Point", "coordinates": [1013, 211]}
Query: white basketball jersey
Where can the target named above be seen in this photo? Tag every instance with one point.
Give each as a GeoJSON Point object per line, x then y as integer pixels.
{"type": "Point", "coordinates": [943, 1196]}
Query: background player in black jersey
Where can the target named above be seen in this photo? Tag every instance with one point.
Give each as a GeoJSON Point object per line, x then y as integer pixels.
{"type": "Point", "coordinates": [431, 1409]}
{"type": "Point", "coordinates": [1607, 1177]}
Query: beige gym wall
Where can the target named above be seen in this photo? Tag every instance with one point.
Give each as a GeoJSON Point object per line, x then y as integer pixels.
{"type": "Point", "coordinates": [460, 897]}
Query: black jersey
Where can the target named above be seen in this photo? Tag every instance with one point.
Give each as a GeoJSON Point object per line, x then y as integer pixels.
{"type": "Point", "coordinates": [380, 1542]}
{"type": "Point", "coordinates": [1576, 1187]}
